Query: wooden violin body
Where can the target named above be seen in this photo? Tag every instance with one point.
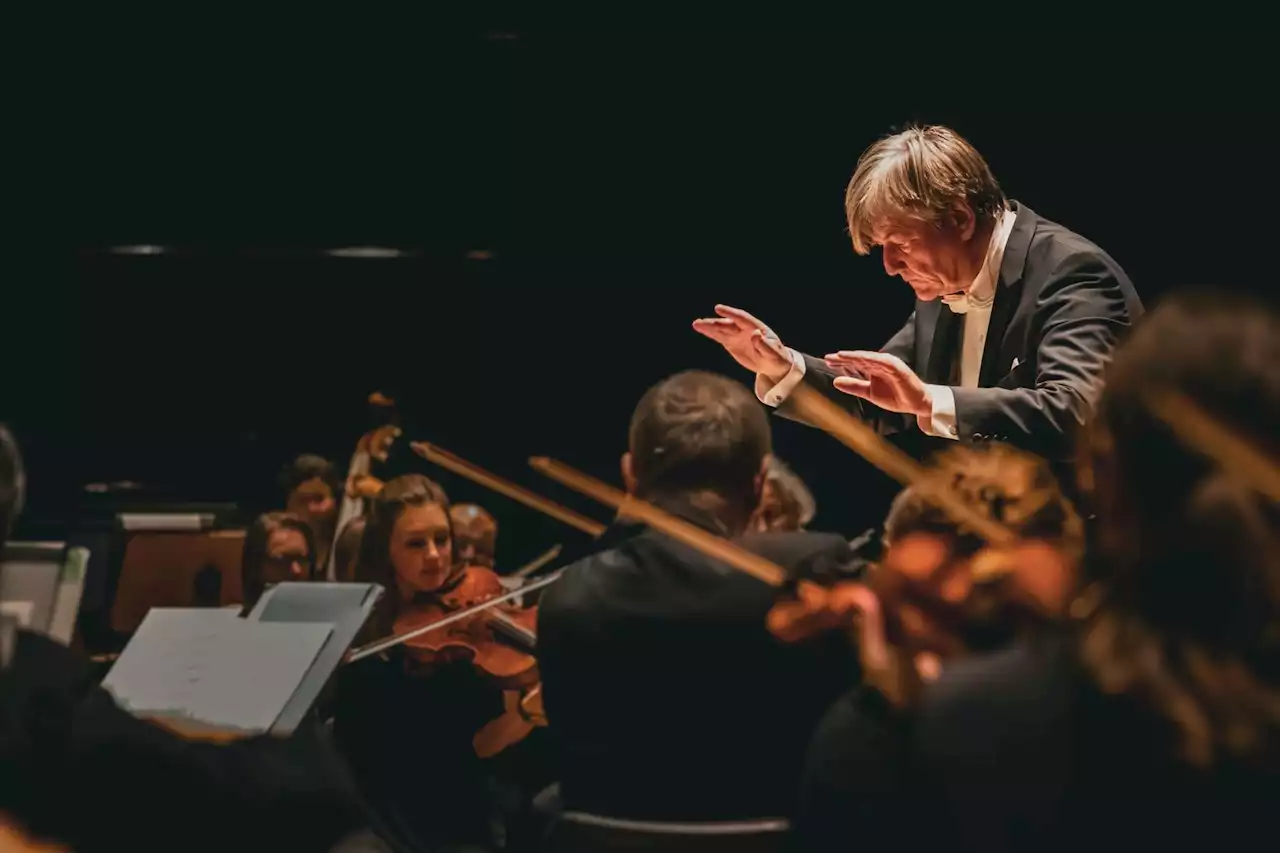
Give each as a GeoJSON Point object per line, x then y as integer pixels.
{"type": "Point", "coordinates": [473, 639]}
{"type": "Point", "coordinates": [488, 641]}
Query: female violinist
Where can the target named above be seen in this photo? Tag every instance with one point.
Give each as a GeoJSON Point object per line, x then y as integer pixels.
{"type": "Point", "coordinates": [406, 720]}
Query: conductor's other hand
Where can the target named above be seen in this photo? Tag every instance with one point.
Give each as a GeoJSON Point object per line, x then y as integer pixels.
{"type": "Point", "coordinates": [751, 343]}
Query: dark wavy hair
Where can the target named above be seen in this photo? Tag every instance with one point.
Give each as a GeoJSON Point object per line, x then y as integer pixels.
{"type": "Point", "coordinates": [1183, 611]}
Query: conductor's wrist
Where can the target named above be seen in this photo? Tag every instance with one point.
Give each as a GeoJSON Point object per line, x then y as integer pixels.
{"type": "Point", "coordinates": [776, 374]}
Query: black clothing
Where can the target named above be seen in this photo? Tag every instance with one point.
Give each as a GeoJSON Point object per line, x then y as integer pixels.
{"type": "Point", "coordinates": [1017, 750]}
{"type": "Point", "coordinates": [852, 776]}
{"type": "Point", "coordinates": [407, 738]}
{"type": "Point", "coordinates": [1061, 305]}
{"type": "Point", "coordinates": [78, 769]}
{"type": "Point", "coordinates": [666, 694]}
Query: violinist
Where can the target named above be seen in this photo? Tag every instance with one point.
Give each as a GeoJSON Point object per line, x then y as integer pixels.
{"type": "Point", "coordinates": [667, 695]}
{"type": "Point", "coordinates": [278, 547]}
{"type": "Point", "coordinates": [406, 720]}
{"type": "Point", "coordinates": [924, 609]}
{"type": "Point", "coordinates": [475, 534]}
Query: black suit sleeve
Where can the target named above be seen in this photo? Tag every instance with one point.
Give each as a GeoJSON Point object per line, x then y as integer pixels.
{"type": "Point", "coordinates": [76, 768]}
{"type": "Point", "coordinates": [817, 375]}
{"type": "Point", "coordinates": [1080, 316]}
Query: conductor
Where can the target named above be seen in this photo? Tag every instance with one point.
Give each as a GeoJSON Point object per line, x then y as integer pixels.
{"type": "Point", "coordinates": [1015, 315]}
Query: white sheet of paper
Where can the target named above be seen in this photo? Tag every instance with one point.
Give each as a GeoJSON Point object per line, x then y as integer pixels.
{"type": "Point", "coordinates": [211, 666]}
{"type": "Point", "coordinates": [19, 610]}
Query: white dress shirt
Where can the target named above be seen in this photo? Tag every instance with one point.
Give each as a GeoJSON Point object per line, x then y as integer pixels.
{"type": "Point", "coordinates": [975, 304]}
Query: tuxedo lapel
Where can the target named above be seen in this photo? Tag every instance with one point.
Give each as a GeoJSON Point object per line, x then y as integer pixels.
{"type": "Point", "coordinates": [1008, 294]}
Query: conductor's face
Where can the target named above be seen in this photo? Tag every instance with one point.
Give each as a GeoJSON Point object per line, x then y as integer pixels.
{"type": "Point", "coordinates": [935, 259]}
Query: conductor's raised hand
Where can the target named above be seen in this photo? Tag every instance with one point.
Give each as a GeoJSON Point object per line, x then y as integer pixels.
{"type": "Point", "coordinates": [751, 343]}
{"type": "Point", "coordinates": [882, 379]}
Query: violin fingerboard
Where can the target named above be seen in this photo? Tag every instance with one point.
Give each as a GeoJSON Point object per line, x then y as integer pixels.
{"type": "Point", "coordinates": [520, 636]}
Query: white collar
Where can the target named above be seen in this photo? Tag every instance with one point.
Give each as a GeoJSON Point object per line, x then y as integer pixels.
{"type": "Point", "coordinates": [983, 290]}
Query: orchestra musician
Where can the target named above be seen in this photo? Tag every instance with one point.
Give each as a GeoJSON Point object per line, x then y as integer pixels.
{"type": "Point", "coordinates": [312, 487]}
{"type": "Point", "coordinates": [406, 724]}
{"type": "Point", "coordinates": [77, 770]}
{"type": "Point", "coordinates": [278, 547]}
{"type": "Point", "coordinates": [857, 753]}
{"type": "Point", "coordinates": [475, 534]}
{"type": "Point", "coordinates": [786, 502]}
{"type": "Point", "coordinates": [667, 696]}
{"type": "Point", "coordinates": [1014, 318]}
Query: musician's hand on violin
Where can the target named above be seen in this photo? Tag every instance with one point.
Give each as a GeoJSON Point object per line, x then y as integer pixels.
{"type": "Point", "coordinates": [380, 441]}
{"type": "Point", "coordinates": [814, 610]}
{"type": "Point", "coordinates": [363, 486]}
{"type": "Point", "coordinates": [751, 343]}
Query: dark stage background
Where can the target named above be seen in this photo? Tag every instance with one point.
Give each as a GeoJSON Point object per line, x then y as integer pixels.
{"type": "Point", "coordinates": [569, 206]}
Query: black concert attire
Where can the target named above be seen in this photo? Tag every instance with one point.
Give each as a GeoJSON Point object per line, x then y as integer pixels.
{"type": "Point", "coordinates": [407, 736]}
{"type": "Point", "coordinates": [1058, 308]}
{"type": "Point", "coordinates": [668, 698]}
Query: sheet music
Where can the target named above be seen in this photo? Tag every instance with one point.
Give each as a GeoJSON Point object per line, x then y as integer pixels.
{"type": "Point", "coordinates": [213, 667]}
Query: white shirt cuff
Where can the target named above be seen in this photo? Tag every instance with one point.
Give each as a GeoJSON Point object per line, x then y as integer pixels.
{"type": "Point", "coordinates": [775, 395]}
{"type": "Point", "coordinates": [942, 423]}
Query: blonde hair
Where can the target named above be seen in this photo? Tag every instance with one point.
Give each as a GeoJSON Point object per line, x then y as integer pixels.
{"type": "Point", "coordinates": [919, 173]}
{"type": "Point", "coordinates": [1008, 485]}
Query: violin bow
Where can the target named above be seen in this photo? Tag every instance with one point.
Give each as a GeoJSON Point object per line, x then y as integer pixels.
{"type": "Point", "coordinates": [679, 529]}
{"type": "Point", "coordinates": [537, 563]}
{"type": "Point", "coordinates": [811, 405]}
{"type": "Point", "coordinates": [1207, 435]}
{"type": "Point", "coordinates": [382, 645]}
{"type": "Point", "coordinates": [451, 462]}
{"type": "Point", "coordinates": [833, 420]}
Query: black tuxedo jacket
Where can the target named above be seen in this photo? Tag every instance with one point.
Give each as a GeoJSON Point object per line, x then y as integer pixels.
{"type": "Point", "coordinates": [1061, 305]}
{"type": "Point", "coordinates": [667, 696]}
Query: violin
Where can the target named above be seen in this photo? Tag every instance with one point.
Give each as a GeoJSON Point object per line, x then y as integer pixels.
{"type": "Point", "coordinates": [476, 638]}
{"type": "Point", "coordinates": [490, 639]}
{"type": "Point", "coordinates": [926, 604]}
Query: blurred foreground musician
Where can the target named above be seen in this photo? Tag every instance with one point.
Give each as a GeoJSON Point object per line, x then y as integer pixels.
{"type": "Point", "coordinates": [1150, 722]}
{"type": "Point", "coordinates": [669, 698]}
{"type": "Point", "coordinates": [77, 770]}
{"type": "Point", "coordinates": [853, 772]}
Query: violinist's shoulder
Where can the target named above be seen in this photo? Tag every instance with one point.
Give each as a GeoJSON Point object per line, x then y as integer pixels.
{"type": "Point", "coordinates": [806, 553]}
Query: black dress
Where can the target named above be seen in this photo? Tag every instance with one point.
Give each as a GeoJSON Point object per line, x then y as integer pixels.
{"type": "Point", "coordinates": [407, 738]}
